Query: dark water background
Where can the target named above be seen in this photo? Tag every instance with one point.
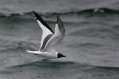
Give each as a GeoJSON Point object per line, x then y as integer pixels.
{"type": "Point", "coordinates": [91, 42]}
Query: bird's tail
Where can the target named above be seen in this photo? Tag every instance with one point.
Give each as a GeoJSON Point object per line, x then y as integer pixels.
{"type": "Point", "coordinates": [33, 52]}
{"type": "Point", "coordinates": [29, 51]}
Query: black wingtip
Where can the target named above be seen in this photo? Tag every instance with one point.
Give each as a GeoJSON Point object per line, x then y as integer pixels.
{"type": "Point", "coordinates": [58, 18]}
{"type": "Point", "coordinates": [35, 15]}
{"type": "Point", "coordinates": [38, 17]}
{"type": "Point", "coordinates": [59, 21]}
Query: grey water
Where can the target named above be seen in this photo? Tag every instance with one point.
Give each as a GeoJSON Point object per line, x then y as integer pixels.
{"type": "Point", "coordinates": [91, 43]}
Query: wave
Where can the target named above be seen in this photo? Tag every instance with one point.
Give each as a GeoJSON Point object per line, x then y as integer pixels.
{"type": "Point", "coordinates": [90, 11]}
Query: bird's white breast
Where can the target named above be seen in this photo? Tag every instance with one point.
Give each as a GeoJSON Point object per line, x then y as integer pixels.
{"type": "Point", "coordinates": [49, 54]}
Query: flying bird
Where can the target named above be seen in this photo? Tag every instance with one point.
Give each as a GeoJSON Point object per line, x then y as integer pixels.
{"type": "Point", "coordinates": [49, 38]}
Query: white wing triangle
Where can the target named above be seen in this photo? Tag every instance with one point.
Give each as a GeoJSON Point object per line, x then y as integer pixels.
{"type": "Point", "coordinates": [46, 34]}
{"type": "Point", "coordinates": [46, 30]}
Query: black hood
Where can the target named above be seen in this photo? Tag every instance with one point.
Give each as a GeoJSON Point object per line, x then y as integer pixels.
{"type": "Point", "coordinates": [60, 55]}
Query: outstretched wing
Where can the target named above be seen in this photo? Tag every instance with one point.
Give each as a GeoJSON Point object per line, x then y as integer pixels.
{"type": "Point", "coordinates": [58, 35]}
{"type": "Point", "coordinates": [47, 32]}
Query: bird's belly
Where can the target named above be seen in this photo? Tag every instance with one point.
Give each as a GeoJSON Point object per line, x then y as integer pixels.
{"type": "Point", "coordinates": [48, 55]}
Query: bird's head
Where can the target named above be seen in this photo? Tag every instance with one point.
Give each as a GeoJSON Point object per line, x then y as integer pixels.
{"type": "Point", "coordinates": [60, 55]}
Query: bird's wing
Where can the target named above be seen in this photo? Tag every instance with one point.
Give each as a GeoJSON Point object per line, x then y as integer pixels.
{"type": "Point", "coordinates": [47, 32]}
{"type": "Point", "coordinates": [58, 35]}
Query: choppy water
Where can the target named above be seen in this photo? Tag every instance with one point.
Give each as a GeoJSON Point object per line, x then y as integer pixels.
{"type": "Point", "coordinates": [91, 42]}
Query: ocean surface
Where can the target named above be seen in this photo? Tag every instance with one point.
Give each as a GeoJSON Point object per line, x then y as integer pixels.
{"type": "Point", "coordinates": [91, 43]}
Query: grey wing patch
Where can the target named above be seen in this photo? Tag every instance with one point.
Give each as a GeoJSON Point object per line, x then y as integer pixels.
{"type": "Point", "coordinates": [58, 36]}
{"type": "Point", "coordinates": [61, 25]}
{"type": "Point", "coordinates": [45, 41]}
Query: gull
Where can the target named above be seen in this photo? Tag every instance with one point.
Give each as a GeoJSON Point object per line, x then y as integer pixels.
{"type": "Point", "coordinates": [49, 38]}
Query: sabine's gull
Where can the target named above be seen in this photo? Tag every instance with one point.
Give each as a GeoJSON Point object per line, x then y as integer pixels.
{"type": "Point", "coordinates": [49, 38]}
